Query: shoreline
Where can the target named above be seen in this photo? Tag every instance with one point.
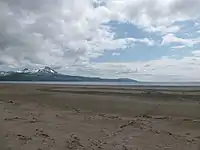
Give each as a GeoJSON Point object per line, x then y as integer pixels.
{"type": "Point", "coordinates": [121, 84]}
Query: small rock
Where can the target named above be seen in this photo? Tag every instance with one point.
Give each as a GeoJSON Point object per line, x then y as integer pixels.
{"type": "Point", "coordinates": [187, 133]}
{"type": "Point", "coordinates": [146, 116]}
{"type": "Point", "coordinates": [10, 119]}
{"type": "Point", "coordinates": [73, 142]}
{"type": "Point", "coordinates": [10, 102]}
{"type": "Point", "coordinates": [102, 115]}
{"type": "Point", "coordinates": [187, 119]}
{"type": "Point", "coordinates": [41, 133]}
{"type": "Point", "coordinates": [128, 124]}
{"type": "Point", "coordinates": [198, 137]}
{"type": "Point", "coordinates": [24, 138]}
{"type": "Point", "coordinates": [169, 133]}
{"type": "Point", "coordinates": [124, 147]}
{"type": "Point", "coordinates": [157, 132]}
{"type": "Point", "coordinates": [44, 135]}
{"type": "Point", "coordinates": [76, 110]}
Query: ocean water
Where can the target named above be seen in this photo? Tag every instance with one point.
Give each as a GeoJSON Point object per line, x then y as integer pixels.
{"type": "Point", "coordinates": [111, 83]}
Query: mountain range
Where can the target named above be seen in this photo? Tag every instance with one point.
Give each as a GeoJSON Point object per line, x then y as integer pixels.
{"type": "Point", "coordinates": [48, 74]}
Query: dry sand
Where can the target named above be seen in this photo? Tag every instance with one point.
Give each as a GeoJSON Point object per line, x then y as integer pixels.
{"type": "Point", "coordinates": [58, 117]}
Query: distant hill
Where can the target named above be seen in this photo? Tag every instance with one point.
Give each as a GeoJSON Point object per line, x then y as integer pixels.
{"type": "Point", "coordinates": [48, 74]}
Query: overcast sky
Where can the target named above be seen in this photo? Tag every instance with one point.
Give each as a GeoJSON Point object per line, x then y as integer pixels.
{"type": "Point", "coordinates": [148, 40]}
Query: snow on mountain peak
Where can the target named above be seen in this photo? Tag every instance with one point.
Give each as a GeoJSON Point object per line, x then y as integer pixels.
{"type": "Point", "coordinates": [25, 70]}
{"type": "Point", "coordinates": [47, 70]}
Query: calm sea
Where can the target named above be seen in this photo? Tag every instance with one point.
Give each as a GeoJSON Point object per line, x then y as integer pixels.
{"type": "Point", "coordinates": [112, 83]}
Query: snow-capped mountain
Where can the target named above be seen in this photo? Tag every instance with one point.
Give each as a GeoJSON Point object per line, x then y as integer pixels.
{"type": "Point", "coordinates": [3, 73]}
{"type": "Point", "coordinates": [29, 71]}
{"type": "Point", "coordinates": [48, 74]}
{"type": "Point", "coordinates": [47, 70]}
{"type": "Point", "coordinates": [26, 70]}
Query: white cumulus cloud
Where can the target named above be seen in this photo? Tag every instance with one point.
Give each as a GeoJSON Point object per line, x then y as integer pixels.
{"type": "Point", "coordinates": [115, 54]}
{"type": "Point", "coordinates": [56, 33]}
{"type": "Point", "coordinates": [171, 38]}
{"type": "Point", "coordinates": [155, 15]}
{"type": "Point", "coordinates": [164, 70]}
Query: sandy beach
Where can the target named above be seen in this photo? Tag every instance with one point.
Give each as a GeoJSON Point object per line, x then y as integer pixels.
{"type": "Point", "coordinates": [73, 117]}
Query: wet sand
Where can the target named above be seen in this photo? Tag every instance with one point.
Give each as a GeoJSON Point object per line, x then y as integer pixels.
{"type": "Point", "coordinates": [69, 117]}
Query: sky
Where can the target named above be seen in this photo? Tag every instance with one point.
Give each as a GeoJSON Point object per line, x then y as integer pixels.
{"type": "Point", "coordinates": [146, 40]}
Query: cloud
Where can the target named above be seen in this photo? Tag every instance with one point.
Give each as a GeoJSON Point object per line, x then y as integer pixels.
{"type": "Point", "coordinates": [164, 29]}
{"type": "Point", "coordinates": [56, 33]}
{"type": "Point", "coordinates": [196, 53]}
{"type": "Point", "coordinates": [178, 47]}
{"type": "Point", "coordinates": [155, 15]}
{"type": "Point", "coordinates": [164, 70]}
{"type": "Point", "coordinates": [115, 54]}
{"type": "Point", "coordinates": [171, 38]}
